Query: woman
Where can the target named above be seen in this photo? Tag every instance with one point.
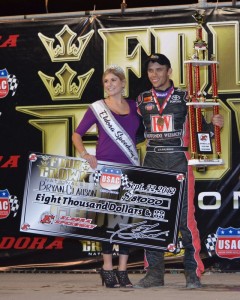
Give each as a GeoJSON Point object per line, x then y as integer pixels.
{"type": "Point", "coordinates": [112, 115]}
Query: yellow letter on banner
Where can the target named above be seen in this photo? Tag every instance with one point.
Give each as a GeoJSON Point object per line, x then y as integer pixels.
{"type": "Point", "coordinates": [176, 42]}
{"type": "Point", "coordinates": [54, 123]}
{"type": "Point", "coordinates": [122, 46]}
{"type": "Point", "coordinates": [226, 49]}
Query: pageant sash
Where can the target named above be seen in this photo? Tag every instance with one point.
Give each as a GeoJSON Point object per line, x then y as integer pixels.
{"type": "Point", "coordinates": [115, 130]}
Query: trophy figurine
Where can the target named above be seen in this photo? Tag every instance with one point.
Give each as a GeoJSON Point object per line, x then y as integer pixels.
{"type": "Point", "coordinates": [202, 152]}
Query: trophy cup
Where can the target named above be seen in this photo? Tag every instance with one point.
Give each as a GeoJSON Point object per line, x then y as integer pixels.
{"type": "Point", "coordinates": [202, 152]}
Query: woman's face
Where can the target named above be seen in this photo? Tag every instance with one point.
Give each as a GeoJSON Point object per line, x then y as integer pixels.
{"type": "Point", "coordinates": [113, 85]}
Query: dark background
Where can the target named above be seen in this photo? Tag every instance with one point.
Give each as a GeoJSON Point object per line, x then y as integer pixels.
{"type": "Point", "coordinates": [28, 7]}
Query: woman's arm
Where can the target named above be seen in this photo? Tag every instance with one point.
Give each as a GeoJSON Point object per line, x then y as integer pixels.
{"type": "Point", "coordinates": [78, 143]}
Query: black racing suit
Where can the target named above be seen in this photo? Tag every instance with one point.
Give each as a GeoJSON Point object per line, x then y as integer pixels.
{"type": "Point", "coordinates": [173, 139]}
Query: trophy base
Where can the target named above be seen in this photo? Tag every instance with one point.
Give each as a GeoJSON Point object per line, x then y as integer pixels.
{"type": "Point", "coordinates": [202, 104]}
{"type": "Point", "coordinates": [197, 62]}
{"type": "Point", "coordinates": [205, 162]}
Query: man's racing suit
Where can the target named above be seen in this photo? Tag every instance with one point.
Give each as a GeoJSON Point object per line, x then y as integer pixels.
{"type": "Point", "coordinates": [167, 149]}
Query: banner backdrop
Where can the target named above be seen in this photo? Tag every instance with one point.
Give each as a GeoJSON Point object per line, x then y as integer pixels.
{"type": "Point", "coordinates": [50, 70]}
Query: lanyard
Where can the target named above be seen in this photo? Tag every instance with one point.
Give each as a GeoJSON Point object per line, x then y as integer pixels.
{"type": "Point", "coordinates": [161, 108]}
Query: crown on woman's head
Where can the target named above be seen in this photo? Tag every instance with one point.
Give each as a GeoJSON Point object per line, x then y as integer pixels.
{"type": "Point", "coordinates": [114, 67]}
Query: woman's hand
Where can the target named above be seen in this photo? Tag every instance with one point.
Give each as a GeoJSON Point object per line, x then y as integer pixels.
{"type": "Point", "coordinates": [91, 159]}
{"type": "Point", "coordinates": [78, 143]}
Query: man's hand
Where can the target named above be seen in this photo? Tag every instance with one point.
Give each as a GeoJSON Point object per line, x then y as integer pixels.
{"type": "Point", "coordinates": [218, 120]}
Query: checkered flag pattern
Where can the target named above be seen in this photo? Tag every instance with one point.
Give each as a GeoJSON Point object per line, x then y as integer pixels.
{"type": "Point", "coordinates": [96, 176]}
{"type": "Point", "coordinates": [13, 83]}
{"type": "Point", "coordinates": [14, 205]}
{"type": "Point", "coordinates": [210, 243]}
{"type": "Point", "coordinates": [124, 180]}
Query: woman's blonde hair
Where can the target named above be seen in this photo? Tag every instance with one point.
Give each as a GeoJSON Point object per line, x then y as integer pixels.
{"type": "Point", "coordinates": [116, 70]}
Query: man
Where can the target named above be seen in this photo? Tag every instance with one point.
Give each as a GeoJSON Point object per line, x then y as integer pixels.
{"type": "Point", "coordinates": [165, 117]}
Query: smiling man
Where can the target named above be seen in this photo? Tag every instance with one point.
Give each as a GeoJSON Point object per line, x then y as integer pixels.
{"type": "Point", "coordinates": [165, 116]}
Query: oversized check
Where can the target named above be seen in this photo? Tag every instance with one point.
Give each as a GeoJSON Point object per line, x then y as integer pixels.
{"type": "Point", "coordinates": [114, 203]}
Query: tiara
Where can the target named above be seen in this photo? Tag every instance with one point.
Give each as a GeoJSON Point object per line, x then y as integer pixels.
{"type": "Point", "coordinates": [114, 67]}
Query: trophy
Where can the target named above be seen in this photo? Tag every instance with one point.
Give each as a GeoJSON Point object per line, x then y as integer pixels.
{"type": "Point", "coordinates": [202, 152]}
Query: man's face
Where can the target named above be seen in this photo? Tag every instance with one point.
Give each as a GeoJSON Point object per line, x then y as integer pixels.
{"type": "Point", "coordinates": [159, 75]}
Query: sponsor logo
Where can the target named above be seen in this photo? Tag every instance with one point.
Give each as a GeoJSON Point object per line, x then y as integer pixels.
{"type": "Point", "coordinates": [228, 242]}
{"type": "Point", "coordinates": [4, 204]}
{"type": "Point", "coordinates": [8, 83]}
{"type": "Point", "coordinates": [8, 203]}
{"type": "Point", "coordinates": [166, 126]}
{"type": "Point", "coordinates": [25, 226]}
{"type": "Point", "coordinates": [47, 218]}
{"type": "Point", "coordinates": [9, 162]}
{"type": "Point", "coordinates": [149, 106]}
{"type": "Point", "coordinates": [147, 99]}
{"type": "Point", "coordinates": [161, 94]}
{"type": "Point", "coordinates": [175, 99]}
{"type": "Point", "coordinates": [110, 178]}
{"type": "Point", "coordinates": [171, 247]}
{"type": "Point", "coordinates": [4, 88]}
{"type": "Point", "coordinates": [204, 137]}
{"type": "Point", "coordinates": [33, 243]}
{"type": "Point", "coordinates": [93, 248]}
{"type": "Point", "coordinates": [11, 41]}
{"type": "Point", "coordinates": [180, 177]}
{"type": "Point", "coordinates": [33, 157]}
{"type": "Point", "coordinates": [75, 222]}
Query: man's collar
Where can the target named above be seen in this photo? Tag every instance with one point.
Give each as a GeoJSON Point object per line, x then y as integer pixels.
{"type": "Point", "coordinates": [160, 90]}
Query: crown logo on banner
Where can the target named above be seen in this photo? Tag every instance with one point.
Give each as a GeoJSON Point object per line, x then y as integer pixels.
{"type": "Point", "coordinates": [67, 49]}
{"type": "Point", "coordinates": [66, 88]}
